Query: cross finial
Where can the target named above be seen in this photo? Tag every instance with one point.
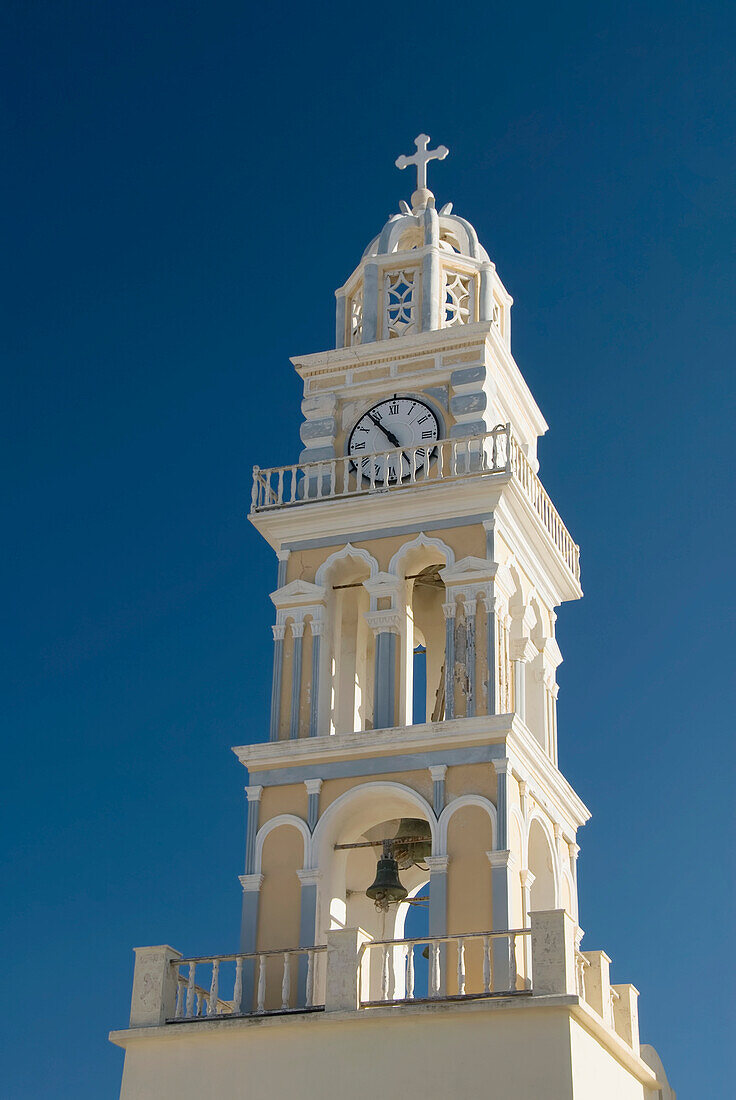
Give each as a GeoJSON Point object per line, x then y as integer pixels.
{"type": "Point", "coordinates": [422, 158]}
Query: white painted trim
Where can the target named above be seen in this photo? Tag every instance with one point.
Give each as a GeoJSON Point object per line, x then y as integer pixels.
{"type": "Point", "coordinates": [535, 815]}
{"type": "Point", "coordinates": [274, 823]}
{"type": "Point", "coordinates": [373, 791]}
{"type": "Point", "coordinates": [347, 551]}
{"type": "Point", "coordinates": [457, 804]}
{"type": "Point", "coordinates": [421, 540]}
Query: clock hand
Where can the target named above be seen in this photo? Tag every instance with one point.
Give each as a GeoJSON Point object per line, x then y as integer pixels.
{"type": "Point", "coordinates": [389, 435]}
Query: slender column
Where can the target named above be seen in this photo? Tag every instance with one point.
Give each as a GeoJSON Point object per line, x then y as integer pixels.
{"type": "Point", "coordinates": [554, 693]}
{"type": "Point", "coordinates": [438, 773]}
{"type": "Point", "coordinates": [485, 305]}
{"type": "Point", "coordinates": [279, 629]}
{"type": "Point", "coordinates": [503, 867]}
{"type": "Point", "coordinates": [491, 655]}
{"type": "Point", "coordinates": [385, 626]}
{"type": "Point", "coordinates": [317, 627]}
{"type": "Point", "coordinates": [527, 881]}
{"type": "Point", "coordinates": [340, 321]}
{"type": "Point", "coordinates": [314, 786]}
{"type": "Point", "coordinates": [449, 611]}
{"type": "Point", "coordinates": [248, 932]}
{"type": "Point", "coordinates": [470, 613]}
{"type": "Point", "coordinates": [371, 322]}
{"type": "Point", "coordinates": [520, 688]}
{"type": "Point", "coordinates": [502, 768]}
{"type": "Point", "coordinates": [438, 908]}
{"type": "Point", "coordinates": [489, 525]}
{"type": "Point", "coordinates": [297, 633]}
{"type": "Point", "coordinates": [309, 879]}
{"type": "Point", "coordinates": [283, 556]}
{"type": "Point", "coordinates": [253, 795]}
{"type": "Point", "coordinates": [431, 291]}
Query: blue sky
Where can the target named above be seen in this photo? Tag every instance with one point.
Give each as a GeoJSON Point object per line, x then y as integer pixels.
{"type": "Point", "coordinates": [185, 186]}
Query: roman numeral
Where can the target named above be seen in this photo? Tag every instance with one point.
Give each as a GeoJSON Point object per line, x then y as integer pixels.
{"type": "Point", "coordinates": [427, 435]}
{"type": "Point", "coordinates": [421, 419]}
{"type": "Point", "coordinates": [393, 409]}
{"type": "Point", "coordinates": [359, 446]}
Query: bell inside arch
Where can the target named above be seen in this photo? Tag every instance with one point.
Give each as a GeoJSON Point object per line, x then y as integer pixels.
{"type": "Point", "coordinates": [387, 888]}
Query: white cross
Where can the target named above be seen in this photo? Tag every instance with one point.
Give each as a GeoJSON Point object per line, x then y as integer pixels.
{"type": "Point", "coordinates": [422, 158]}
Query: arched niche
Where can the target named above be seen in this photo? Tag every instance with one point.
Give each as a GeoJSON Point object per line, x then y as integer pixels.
{"type": "Point", "coordinates": [281, 854]}
{"type": "Point", "coordinates": [543, 865]}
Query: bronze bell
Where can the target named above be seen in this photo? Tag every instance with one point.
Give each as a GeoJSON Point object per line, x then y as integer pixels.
{"type": "Point", "coordinates": [387, 888]}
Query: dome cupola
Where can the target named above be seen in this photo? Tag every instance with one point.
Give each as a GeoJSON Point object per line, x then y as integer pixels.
{"type": "Point", "coordinates": [425, 270]}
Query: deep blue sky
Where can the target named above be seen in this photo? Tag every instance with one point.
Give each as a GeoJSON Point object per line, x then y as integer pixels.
{"type": "Point", "coordinates": [185, 186]}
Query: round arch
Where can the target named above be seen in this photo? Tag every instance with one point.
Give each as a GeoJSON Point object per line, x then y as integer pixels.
{"type": "Point", "coordinates": [268, 827]}
{"type": "Point", "coordinates": [420, 541]}
{"type": "Point", "coordinates": [457, 804]}
{"type": "Point", "coordinates": [552, 849]}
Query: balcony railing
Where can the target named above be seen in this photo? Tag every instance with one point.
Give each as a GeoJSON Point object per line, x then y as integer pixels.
{"type": "Point", "coordinates": [276, 981]}
{"type": "Point", "coordinates": [477, 964]}
{"type": "Point", "coordinates": [494, 452]}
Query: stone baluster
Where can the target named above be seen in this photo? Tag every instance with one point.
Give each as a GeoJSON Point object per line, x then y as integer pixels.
{"type": "Point", "coordinates": [214, 989]}
{"type": "Point", "coordinates": [286, 981]}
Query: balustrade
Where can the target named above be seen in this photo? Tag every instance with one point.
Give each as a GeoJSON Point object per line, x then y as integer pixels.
{"type": "Point", "coordinates": [398, 966]}
{"type": "Point", "coordinates": [244, 974]}
{"type": "Point", "coordinates": [494, 452]}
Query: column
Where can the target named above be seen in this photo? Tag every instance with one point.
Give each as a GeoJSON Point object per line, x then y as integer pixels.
{"type": "Point", "coordinates": [449, 611]}
{"type": "Point", "coordinates": [470, 613]}
{"type": "Point", "coordinates": [491, 655]}
{"type": "Point", "coordinates": [279, 629]}
{"type": "Point", "coordinates": [371, 324]}
{"type": "Point", "coordinates": [297, 633]}
{"type": "Point", "coordinates": [431, 291]}
{"type": "Point", "coordinates": [438, 908]}
{"type": "Point", "coordinates": [520, 687]}
{"type": "Point", "coordinates": [283, 556]}
{"type": "Point", "coordinates": [248, 932]}
{"type": "Point", "coordinates": [309, 879]}
{"type": "Point", "coordinates": [317, 626]}
{"type": "Point", "coordinates": [438, 773]}
{"type": "Point", "coordinates": [527, 881]}
{"type": "Point", "coordinates": [485, 304]}
{"type": "Point", "coordinates": [253, 796]}
{"type": "Point", "coordinates": [503, 867]}
{"type": "Point", "coordinates": [385, 626]}
{"type": "Point", "coordinates": [314, 786]}
{"type": "Point", "coordinates": [340, 321]}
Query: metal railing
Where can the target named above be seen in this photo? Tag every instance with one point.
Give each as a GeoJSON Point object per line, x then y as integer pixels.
{"type": "Point", "coordinates": [275, 981]}
{"type": "Point", "coordinates": [494, 452]}
{"type": "Point", "coordinates": [484, 964]}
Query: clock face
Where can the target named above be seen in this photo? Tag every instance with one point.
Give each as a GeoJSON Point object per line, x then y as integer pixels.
{"type": "Point", "coordinates": [392, 424]}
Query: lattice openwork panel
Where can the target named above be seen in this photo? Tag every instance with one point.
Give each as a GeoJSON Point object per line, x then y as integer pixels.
{"type": "Point", "coordinates": [356, 316]}
{"type": "Point", "coordinates": [400, 302]}
{"type": "Point", "coordinates": [457, 299]}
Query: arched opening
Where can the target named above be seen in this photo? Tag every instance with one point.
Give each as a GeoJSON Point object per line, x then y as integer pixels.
{"type": "Point", "coordinates": [542, 865]}
{"type": "Point", "coordinates": [419, 684]}
{"type": "Point", "coordinates": [352, 647]}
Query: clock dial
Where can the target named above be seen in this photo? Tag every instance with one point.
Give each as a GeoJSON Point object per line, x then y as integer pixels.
{"type": "Point", "coordinates": [393, 424]}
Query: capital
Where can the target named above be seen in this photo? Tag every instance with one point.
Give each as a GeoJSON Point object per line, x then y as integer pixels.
{"type": "Point", "coordinates": [502, 858]}
{"type": "Point", "coordinates": [309, 876]}
{"type": "Point", "coordinates": [318, 627]}
{"type": "Point", "coordinates": [527, 879]}
{"type": "Point", "coordinates": [314, 786]}
{"type": "Point", "coordinates": [251, 883]}
{"type": "Point", "coordinates": [254, 792]}
{"type": "Point", "coordinates": [383, 622]}
{"type": "Point", "coordinates": [297, 629]}
{"type": "Point", "coordinates": [438, 772]}
{"type": "Point", "coordinates": [279, 629]}
{"type": "Point", "coordinates": [449, 609]}
{"type": "Point", "coordinates": [437, 864]}
{"type": "Point", "coordinates": [502, 766]}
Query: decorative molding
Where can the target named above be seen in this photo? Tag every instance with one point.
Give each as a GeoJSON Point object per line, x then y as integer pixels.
{"type": "Point", "coordinates": [314, 786]}
{"type": "Point", "coordinates": [459, 803]}
{"type": "Point", "coordinates": [309, 876]}
{"type": "Point", "coordinates": [437, 864]}
{"type": "Point", "coordinates": [347, 551]}
{"type": "Point", "coordinates": [279, 629]}
{"type": "Point", "coordinates": [384, 622]}
{"type": "Point", "coordinates": [438, 772]}
{"type": "Point", "coordinates": [449, 609]}
{"type": "Point", "coordinates": [421, 540]}
{"type": "Point", "coordinates": [318, 627]}
{"type": "Point", "coordinates": [297, 594]}
{"type": "Point", "coordinates": [502, 766]}
{"type": "Point", "coordinates": [297, 628]}
{"type": "Point", "coordinates": [251, 883]}
{"type": "Point", "coordinates": [503, 858]}
{"type": "Point", "coordinates": [527, 879]}
{"type": "Point", "coordinates": [253, 793]}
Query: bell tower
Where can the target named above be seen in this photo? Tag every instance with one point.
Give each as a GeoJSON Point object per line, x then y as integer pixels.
{"type": "Point", "coordinates": [411, 843]}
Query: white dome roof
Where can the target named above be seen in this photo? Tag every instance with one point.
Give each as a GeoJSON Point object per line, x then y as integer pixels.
{"type": "Point", "coordinates": [425, 226]}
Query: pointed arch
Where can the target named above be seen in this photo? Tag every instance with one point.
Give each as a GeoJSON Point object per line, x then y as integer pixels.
{"type": "Point", "coordinates": [347, 551]}
{"type": "Point", "coordinates": [421, 540]}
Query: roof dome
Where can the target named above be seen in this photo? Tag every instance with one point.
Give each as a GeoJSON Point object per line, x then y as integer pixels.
{"type": "Point", "coordinates": [425, 270]}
